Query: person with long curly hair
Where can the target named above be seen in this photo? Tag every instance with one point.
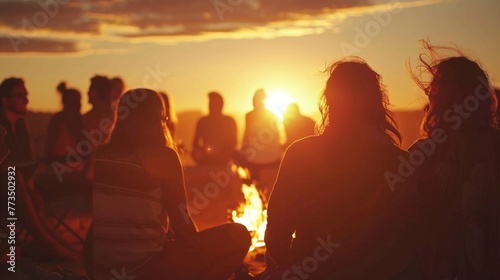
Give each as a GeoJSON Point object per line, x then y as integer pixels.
{"type": "Point", "coordinates": [332, 214]}
{"type": "Point", "coordinates": [459, 180]}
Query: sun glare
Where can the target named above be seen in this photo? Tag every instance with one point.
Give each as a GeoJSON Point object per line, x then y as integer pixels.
{"type": "Point", "coordinates": [277, 101]}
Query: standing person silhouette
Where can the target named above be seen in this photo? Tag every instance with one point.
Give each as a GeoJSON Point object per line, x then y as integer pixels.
{"type": "Point", "coordinates": [261, 141]}
{"type": "Point", "coordinates": [297, 126]}
{"type": "Point", "coordinates": [459, 181]}
{"type": "Point", "coordinates": [331, 191]}
{"type": "Point", "coordinates": [139, 194]}
{"type": "Point", "coordinates": [101, 114]}
{"type": "Point", "coordinates": [215, 137]}
{"type": "Point", "coordinates": [65, 128]}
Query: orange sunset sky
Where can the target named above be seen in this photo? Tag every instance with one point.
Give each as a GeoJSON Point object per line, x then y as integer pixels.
{"type": "Point", "coordinates": [233, 46]}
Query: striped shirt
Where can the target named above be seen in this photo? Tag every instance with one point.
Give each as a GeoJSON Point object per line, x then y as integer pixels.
{"type": "Point", "coordinates": [128, 217]}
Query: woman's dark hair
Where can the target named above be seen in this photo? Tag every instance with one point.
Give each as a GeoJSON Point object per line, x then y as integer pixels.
{"type": "Point", "coordinates": [354, 95]}
{"type": "Point", "coordinates": [453, 81]}
{"type": "Point", "coordinates": [71, 98]}
{"type": "Point", "coordinates": [140, 126]}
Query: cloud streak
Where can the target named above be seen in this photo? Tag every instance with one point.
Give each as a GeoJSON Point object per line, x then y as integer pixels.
{"type": "Point", "coordinates": [169, 21]}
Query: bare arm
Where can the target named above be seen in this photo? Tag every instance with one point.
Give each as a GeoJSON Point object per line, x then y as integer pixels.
{"type": "Point", "coordinates": [282, 211]}
{"type": "Point", "coordinates": [175, 196]}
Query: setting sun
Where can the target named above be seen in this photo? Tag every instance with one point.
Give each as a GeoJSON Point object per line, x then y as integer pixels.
{"type": "Point", "coordinates": [277, 101]}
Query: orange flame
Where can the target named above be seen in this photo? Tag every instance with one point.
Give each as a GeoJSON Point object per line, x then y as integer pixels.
{"type": "Point", "coordinates": [252, 215]}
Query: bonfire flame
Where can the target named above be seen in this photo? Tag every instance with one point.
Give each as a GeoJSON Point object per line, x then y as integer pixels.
{"type": "Point", "coordinates": [252, 215]}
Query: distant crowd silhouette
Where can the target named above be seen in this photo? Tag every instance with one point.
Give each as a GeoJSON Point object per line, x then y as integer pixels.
{"type": "Point", "coordinates": [348, 202]}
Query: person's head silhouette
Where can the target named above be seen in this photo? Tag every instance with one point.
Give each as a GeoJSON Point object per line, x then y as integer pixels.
{"type": "Point", "coordinates": [215, 103]}
{"type": "Point", "coordinates": [71, 98]}
{"type": "Point", "coordinates": [99, 90]}
{"type": "Point", "coordinates": [459, 92]}
{"type": "Point", "coordinates": [117, 87]}
{"type": "Point", "coordinates": [292, 110]}
{"type": "Point", "coordinates": [354, 97]}
{"type": "Point", "coordinates": [259, 99]}
{"type": "Point", "coordinates": [144, 125]}
{"type": "Point", "coordinates": [14, 97]}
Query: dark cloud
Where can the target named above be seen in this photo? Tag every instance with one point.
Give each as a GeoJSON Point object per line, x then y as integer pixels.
{"type": "Point", "coordinates": [193, 15]}
{"type": "Point", "coordinates": [15, 44]}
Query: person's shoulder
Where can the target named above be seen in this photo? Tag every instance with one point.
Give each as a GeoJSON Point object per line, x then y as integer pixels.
{"type": "Point", "coordinates": [228, 119]}
{"type": "Point", "coordinates": [417, 143]}
{"type": "Point", "coordinates": [160, 154]}
{"type": "Point", "coordinates": [304, 145]}
{"type": "Point", "coordinates": [158, 159]}
{"type": "Point", "coordinates": [202, 120]}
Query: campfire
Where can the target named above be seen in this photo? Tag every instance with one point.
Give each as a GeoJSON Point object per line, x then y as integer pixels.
{"type": "Point", "coordinates": [252, 213]}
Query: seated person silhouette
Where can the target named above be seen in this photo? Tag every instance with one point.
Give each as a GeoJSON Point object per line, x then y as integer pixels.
{"type": "Point", "coordinates": [297, 126]}
{"type": "Point", "coordinates": [215, 137]}
{"type": "Point", "coordinates": [459, 180]}
{"type": "Point", "coordinates": [331, 190]}
{"type": "Point", "coordinates": [16, 161]}
{"type": "Point", "coordinates": [139, 195]}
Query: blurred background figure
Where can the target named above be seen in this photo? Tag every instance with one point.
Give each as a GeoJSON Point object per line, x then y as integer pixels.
{"type": "Point", "coordinates": [459, 181]}
{"type": "Point", "coordinates": [117, 89]}
{"type": "Point", "coordinates": [297, 126]}
{"type": "Point", "coordinates": [215, 138]}
{"type": "Point", "coordinates": [171, 123]}
{"type": "Point", "coordinates": [98, 120]}
{"type": "Point", "coordinates": [64, 141]}
{"type": "Point", "coordinates": [261, 146]}
{"type": "Point", "coordinates": [65, 127]}
{"type": "Point", "coordinates": [15, 137]}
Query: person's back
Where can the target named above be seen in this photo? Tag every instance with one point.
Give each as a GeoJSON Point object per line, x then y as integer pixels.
{"type": "Point", "coordinates": [459, 180]}
{"type": "Point", "coordinates": [215, 136]}
{"type": "Point", "coordinates": [334, 194]}
{"type": "Point", "coordinates": [218, 134]}
{"type": "Point", "coordinates": [122, 205]}
{"type": "Point", "coordinates": [339, 196]}
{"type": "Point", "coordinates": [459, 194]}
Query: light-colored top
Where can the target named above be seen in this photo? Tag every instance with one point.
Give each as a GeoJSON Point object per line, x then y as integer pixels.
{"type": "Point", "coordinates": [128, 216]}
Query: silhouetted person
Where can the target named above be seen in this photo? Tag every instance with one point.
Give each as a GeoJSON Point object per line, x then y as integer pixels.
{"type": "Point", "coordinates": [65, 127]}
{"type": "Point", "coordinates": [14, 134]}
{"type": "Point", "coordinates": [64, 140]}
{"type": "Point", "coordinates": [169, 114]}
{"type": "Point", "coordinates": [458, 178]}
{"type": "Point", "coordinates": [98, 119]}
{"type": "Point", "coordinates": [139, 194]}
{"type": "Point", "coordinates": [331, 189]}
{"type": "Point", "coordinates": [297, 126]}
{"type": "Point", "coordinates": [215, 136]}
{"type": "Point", "coordinates": [261, 141]}
{"type": "Point", "coordinates": [170, 121]}
{"type": "Point", "coordinates": [17, 168]}
{"type": "Point", "coordinates": [117, 88]}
